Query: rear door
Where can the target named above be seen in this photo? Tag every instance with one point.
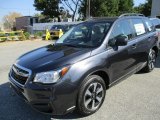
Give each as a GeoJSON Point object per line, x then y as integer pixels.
{"type": "Point", "coordinates": [122, 59]}
{"type": "Point", "coordinates": [144, 36]}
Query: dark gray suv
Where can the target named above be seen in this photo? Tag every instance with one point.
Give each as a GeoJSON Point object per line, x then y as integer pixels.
{"type": "Point", "coordinates": [75, 72]}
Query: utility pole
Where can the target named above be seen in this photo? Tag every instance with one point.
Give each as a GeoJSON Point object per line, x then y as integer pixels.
{"type": "Point", "coordinates": [88, 10]}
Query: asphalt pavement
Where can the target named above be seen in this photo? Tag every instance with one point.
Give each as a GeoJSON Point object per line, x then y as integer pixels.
{"type": "Point", "coordinates": [136, 98]}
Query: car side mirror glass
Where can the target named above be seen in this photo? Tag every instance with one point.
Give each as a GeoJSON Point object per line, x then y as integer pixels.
{"type": "Point", "coordinates": [121, 40]}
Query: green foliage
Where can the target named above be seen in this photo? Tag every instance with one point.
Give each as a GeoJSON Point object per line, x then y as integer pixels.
{"type": "Point", "coordinates": [38, 34]}
{"type": "Point", "coordinates": [125, 6]}
{"type": "Point", "coordinates": [101, 8]}
{"type": "Point", "coordinates": [27, 35]}
{"type": "Point", "coordinates": [49, 8]}
{"type": "Point", "coordinates": [12, 34]}
{"type": "Point", "coordinates": [144, 8]}
{"type": "Point", "coordinates": [2, 35]}
{"type": "Point", "coordinates": [3, 39]}
{"type": "Point", "coordinates": [43, 18]}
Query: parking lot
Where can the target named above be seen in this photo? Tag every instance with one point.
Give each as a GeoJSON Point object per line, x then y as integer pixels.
{"type": "Point", "coordinates": [136, 98]}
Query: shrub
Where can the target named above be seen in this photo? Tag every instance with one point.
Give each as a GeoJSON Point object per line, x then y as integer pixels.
{"type": "Point", "coordinates": [2, 34]}
{"type": "Point", "coordinates": [3, 39]}
{"type": "Point", "coordinates": [11, 35]}
{"type": "Point", "coordinates": [38, 34]}
{"type": "Point", "coordinates": [27, 35]}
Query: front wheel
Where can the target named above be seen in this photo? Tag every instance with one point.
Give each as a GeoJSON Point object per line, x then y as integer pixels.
{"type": "Point", "coordinates": [91, 95]}
{"type": "Point", "coordinates": [150, 62]}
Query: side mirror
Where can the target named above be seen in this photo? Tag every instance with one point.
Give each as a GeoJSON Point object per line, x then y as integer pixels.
{"type": "Point", "coordinates": [121, 40]}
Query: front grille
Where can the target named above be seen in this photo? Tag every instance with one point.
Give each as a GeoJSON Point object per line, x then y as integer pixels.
{"type": "Point", "coordinates": [53, 33]}
{"type": "Point", "coordinates": [19, 75]}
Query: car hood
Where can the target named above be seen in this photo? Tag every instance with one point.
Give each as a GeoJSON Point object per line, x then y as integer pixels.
{"type": "Point", "coordinates": [52, 57]}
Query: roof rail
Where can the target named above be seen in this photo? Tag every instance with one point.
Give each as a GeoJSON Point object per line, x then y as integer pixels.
{"type": "Point", "coordinates": [94, 18]}
{"type": "Point", "coordinates": [131, 14]}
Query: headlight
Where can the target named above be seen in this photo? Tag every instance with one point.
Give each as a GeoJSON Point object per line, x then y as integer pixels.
{"type": "Point", "coordinates": [50, 76]}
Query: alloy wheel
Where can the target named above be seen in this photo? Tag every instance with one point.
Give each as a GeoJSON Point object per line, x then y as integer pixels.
{"type": "Point", "coordinates": [152, 59]}
{"type": "Point", "coordinates": [93, 96]}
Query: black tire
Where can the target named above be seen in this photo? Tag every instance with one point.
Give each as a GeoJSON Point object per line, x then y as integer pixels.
{"type": "Point", "coordinates": [90, 90]}
{"type": "Point", "coordinates": [150, 62]}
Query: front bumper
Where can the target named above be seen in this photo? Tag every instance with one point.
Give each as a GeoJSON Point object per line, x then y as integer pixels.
{"type": "Point", "coordinates": [56, 99]}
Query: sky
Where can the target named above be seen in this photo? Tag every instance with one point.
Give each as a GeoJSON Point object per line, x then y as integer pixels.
{"type": "Point", "coordinates": [26, 8]}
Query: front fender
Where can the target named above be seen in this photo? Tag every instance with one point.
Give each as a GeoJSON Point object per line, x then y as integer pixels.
{"type": "Point", "coordinates": [79, 71]}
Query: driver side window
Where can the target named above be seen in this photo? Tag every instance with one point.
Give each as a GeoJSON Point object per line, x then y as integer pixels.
{"type": "Point", "coordinates": [121, 28]}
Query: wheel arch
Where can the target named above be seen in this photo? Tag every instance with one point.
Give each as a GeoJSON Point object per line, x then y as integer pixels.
{"type": "Point", "coordinates": [103, 75]}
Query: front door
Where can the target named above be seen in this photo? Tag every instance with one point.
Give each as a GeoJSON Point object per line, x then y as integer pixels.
{"type": "Point", "coordinates": [122, 59]}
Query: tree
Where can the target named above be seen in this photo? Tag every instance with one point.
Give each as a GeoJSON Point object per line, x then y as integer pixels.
{"type": "Point", "coordinates": [49, 8]}
{"type": "Point", "coordinates": [9, 20]}
{"type": "Point", "coordinates": [42, 18]}
{"type": "Point", "coordinates": [125, 6]}
{"type": "Point", "coordinates": [101, 8]}
{"type": "Point", "coordinates": [144, 8]}
{"type": "Point", "coordinates": [64, 13]}
{"type": "Point", "coordinates": [72, 5]}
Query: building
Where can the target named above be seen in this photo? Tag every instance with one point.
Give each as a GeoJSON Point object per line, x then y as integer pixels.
{"type": "Point", "coordinates": [26, 23]}
{"type": "Point", "coordinates": [155, 12]}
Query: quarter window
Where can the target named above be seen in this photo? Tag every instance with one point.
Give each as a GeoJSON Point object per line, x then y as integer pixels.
{"type": "Point", "coordinates": [149, 25]}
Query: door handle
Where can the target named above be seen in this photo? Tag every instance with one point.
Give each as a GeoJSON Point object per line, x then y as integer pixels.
{"type": "Point", "coordinates": [134, 46]}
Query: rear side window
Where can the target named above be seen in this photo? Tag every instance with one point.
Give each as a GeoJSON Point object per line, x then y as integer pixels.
{"type": "Point", "coordinates": [149, 25]}
{"type": "Point", "coordinates": [138, 26]}
{"type": "Point", "coordinates": [122, 28]}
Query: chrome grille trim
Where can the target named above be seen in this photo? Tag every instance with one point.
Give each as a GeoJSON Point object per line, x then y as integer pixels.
{"type": "Point", "coordinates": [20, 73]}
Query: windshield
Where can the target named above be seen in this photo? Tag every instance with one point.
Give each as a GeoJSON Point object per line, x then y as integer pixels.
{"type": "Point", "coordinates": [86, 34]}
{"type": "Point", "coordinates": [56, 27]}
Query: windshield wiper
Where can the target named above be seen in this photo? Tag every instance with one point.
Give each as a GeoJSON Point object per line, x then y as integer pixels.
{"type": "Point", "coordinates": [70, 45]}
{"type": "Point", "coordinates": [76, 45]}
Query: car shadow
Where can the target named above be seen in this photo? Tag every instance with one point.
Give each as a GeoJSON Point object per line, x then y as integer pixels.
{"type": "Point", "coordinates": [12, 107]}
{"type": "Point", "coordinates": [157, 64]}
{"type": "Point", "coordinates": [158, 61]}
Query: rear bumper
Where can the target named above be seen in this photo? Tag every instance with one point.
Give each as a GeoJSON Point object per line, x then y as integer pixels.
{"type": "Point", "coordinates": [57, 99]}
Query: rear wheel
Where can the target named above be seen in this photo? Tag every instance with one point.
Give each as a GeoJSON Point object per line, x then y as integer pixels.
{"type": "Point", "coordinates": [150, 62]}
{"type": "Point", "coordinates": [91, 95]}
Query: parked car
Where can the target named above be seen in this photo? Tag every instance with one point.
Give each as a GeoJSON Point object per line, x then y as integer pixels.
{"type": "Point", "coordinates": [57, 31]}
{"type": "Point", "coordinates": [156, 22]}
{"type": "Point", "coordinates": [75, 72]}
